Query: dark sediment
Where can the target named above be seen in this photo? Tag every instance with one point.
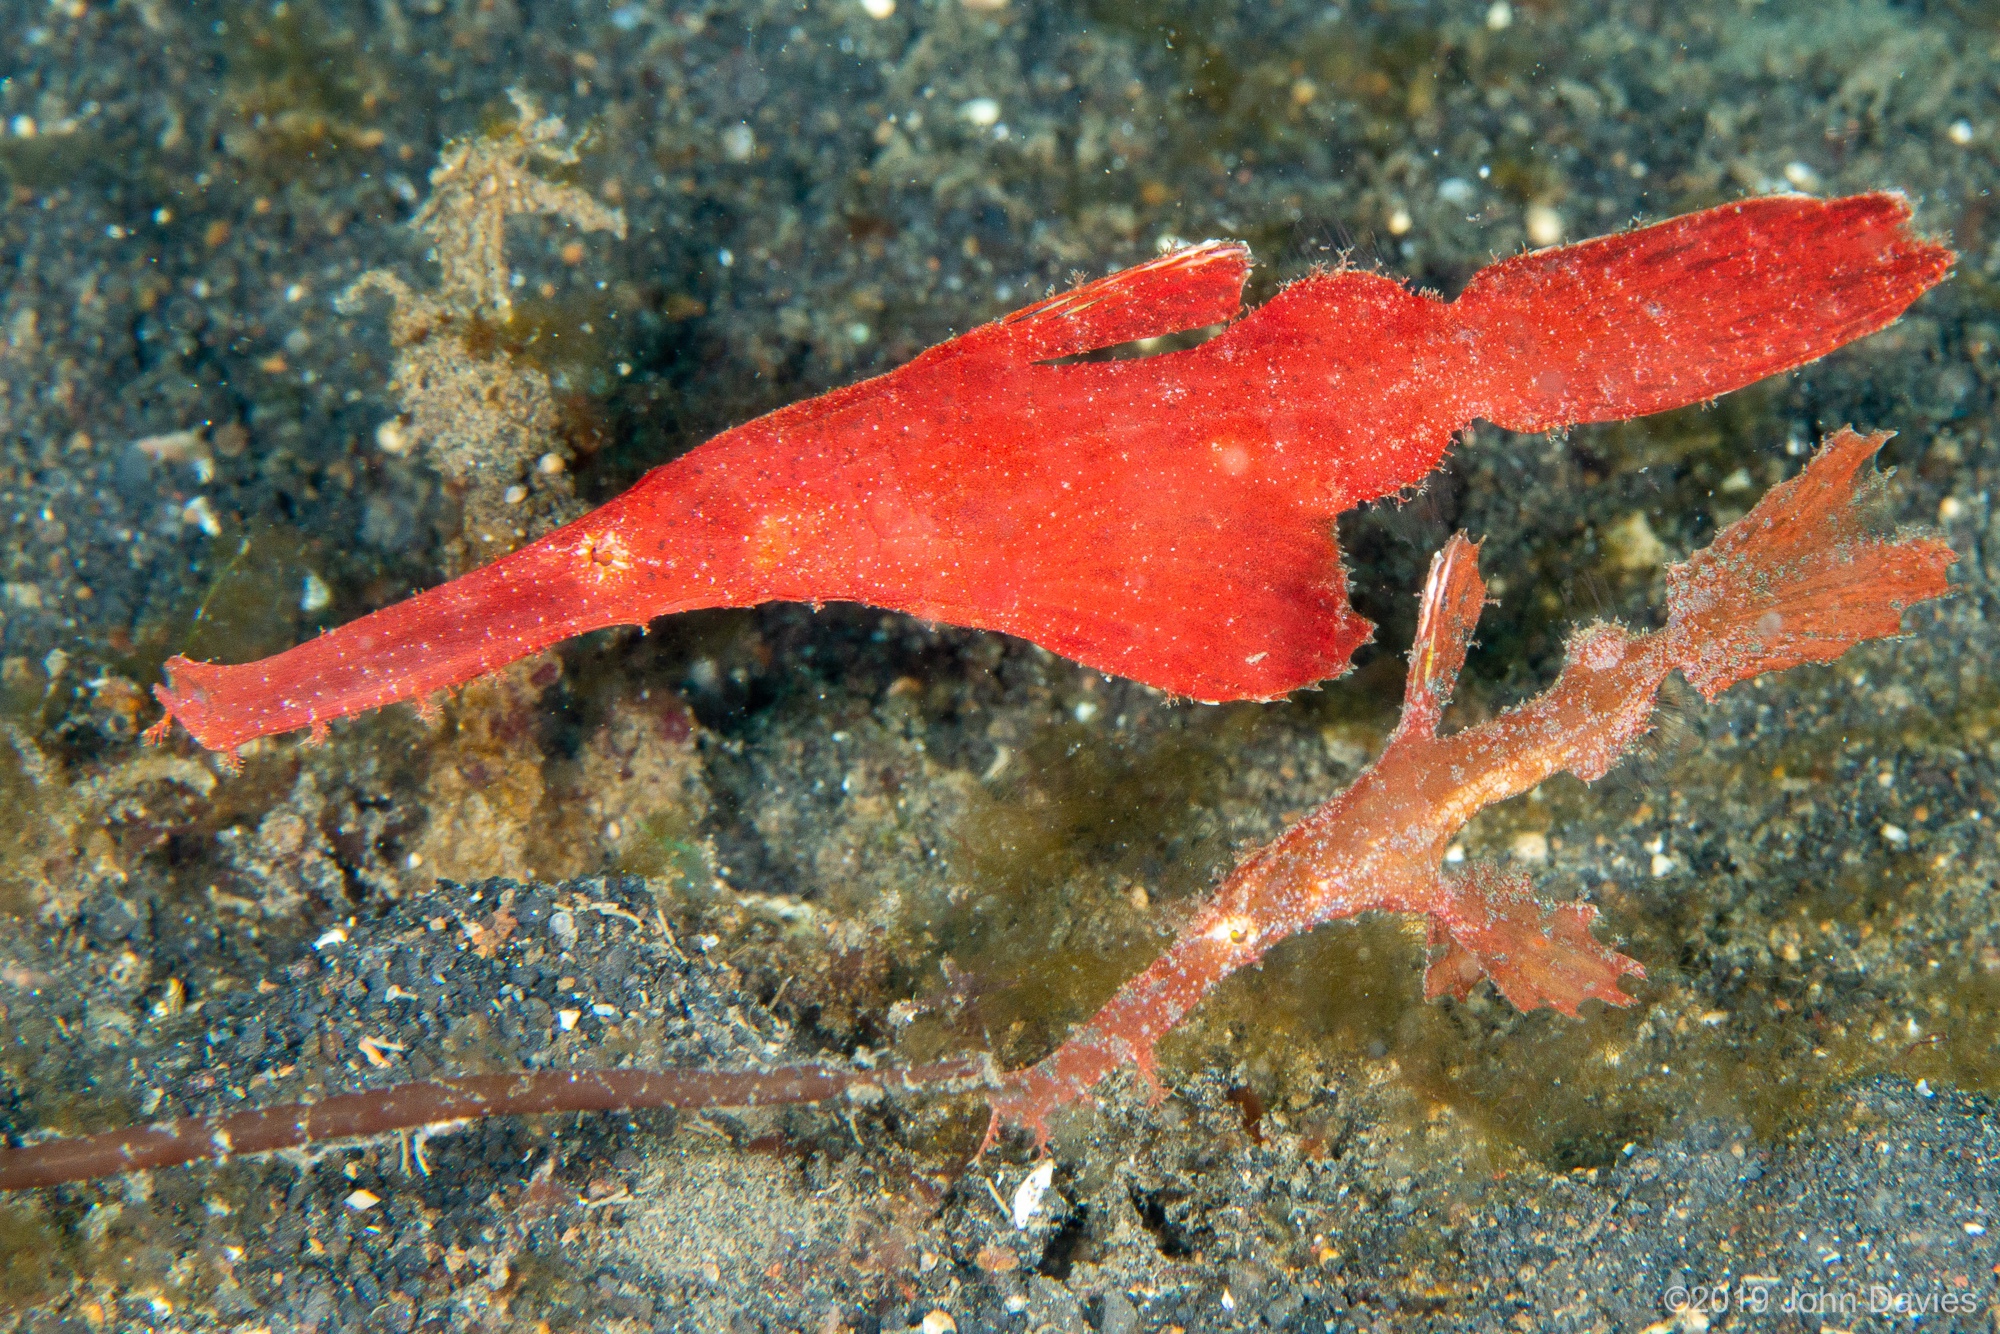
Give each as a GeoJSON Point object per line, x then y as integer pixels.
{"type": "Point", "coordinates": [864, 833]}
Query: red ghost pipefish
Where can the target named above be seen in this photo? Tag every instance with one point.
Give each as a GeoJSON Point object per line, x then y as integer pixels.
{"type": "Point", "coordinates": [1167, 518]}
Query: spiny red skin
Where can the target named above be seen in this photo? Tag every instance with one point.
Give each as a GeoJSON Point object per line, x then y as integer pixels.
{"type": "Point", "coordinates": [1798, 579]}
{"type": "Point", "coordinates": [1167, 518]}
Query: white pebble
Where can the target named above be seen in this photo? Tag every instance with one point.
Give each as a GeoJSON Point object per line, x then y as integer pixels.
{"type": "Point", "coordinates": [1545, 225]}
{"type": "Point", "coordinates": [739, 142]}
{"type": "Point", "coordinates": [515, 494]}
{"type": "Point", "coordinates": [981, 111]}
{"type": "Point", "coordinates": [198, 513]}
{"type": "Point", "coordinates": [361, 1201]}
{"type": "Point", "coordinates": [550, 465]}
{"type": "Point", "coordinates": [391, 438]}
{"type": "Point", "coordinates": [1801, 177]}
{"type": "Point", "coordinates": [1400, 221]}
{"type": "Point", "coordinates": [878, 9]}
{"type": "Point", "coordinates": [1960, 132]}
{"type": "Point", "coordinates": [1499, 15]}
{"type": "Point", "coordinates": [563, 927]}
{"type": "Point", "coordinates": [568, 1018]}
{"type": "Point", "coordinates": [1028, 1195]}
{"type": "Point", "coordinates": [1895, 836]}
{"type": "Point", "coordinates": [1530, 847]}
{"type": "Point", "coordinates": [316, 594]}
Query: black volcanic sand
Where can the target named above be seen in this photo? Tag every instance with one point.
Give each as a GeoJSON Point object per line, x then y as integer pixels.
{"type": "Point", "coordinates": [845, 836]}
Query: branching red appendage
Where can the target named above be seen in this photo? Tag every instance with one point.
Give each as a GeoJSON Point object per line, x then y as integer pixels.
{"type": "Point", "coordinates": [1798, 579]}
{"type": "Point", "coordinates": [1492, 926]}
{"type": "Point", "coordinates": [1164, 518]}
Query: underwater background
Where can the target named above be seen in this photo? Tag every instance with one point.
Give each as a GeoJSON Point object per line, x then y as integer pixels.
{"type": "Point", "coordinates": [796, 832]}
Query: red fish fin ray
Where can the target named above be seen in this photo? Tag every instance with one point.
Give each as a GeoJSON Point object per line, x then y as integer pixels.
{"type": "Point", "coordinates": [1196, 286]}
{"type": "Point", "coordinates": [1491, 924]}
{"type": "Point", "coordinates": [1800, 578]}
{"type": "Point", "coordinates": [1453, 597]}
{"type": "Point", "coordinates": [1252, 612]}
{"type": "Point", "coordinates": [1688, 309]}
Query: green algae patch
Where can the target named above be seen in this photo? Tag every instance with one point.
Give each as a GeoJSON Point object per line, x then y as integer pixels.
{"type": "Point", "coordinates": [31, 1250]}
{"type": "Point", "coordinates": [299, 87]}
{"type": "Point", "coordinates": [248, 601]}
{"type": "Point", "coordinates": [1066, 863]}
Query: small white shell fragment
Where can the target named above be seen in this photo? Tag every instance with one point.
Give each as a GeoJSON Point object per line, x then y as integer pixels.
{"type": "Point", "coordinates": [391, 438]}
{"type": "Point", "coordinates": [1632, 545]}
{"type": "Point", "coordinates": [362, 1200]}
{"type": "Point", "coordinates": [1028, 1195]}
{"type": "Point", "coordinates": [1800, 176]}
{"type": "Point", "coordinates": [1662, 866]}
{"type": "Point", "coordinates": [563, 927]}
{"type": "Point", "coordinates": [940, 1322]}
{"type": "Point", "coordinates": [568, 1018]}
{"type": "Point", "coordinates": [739, 143]}
{"type": "Point", "coordinates": [1961, 132]}
{"type": "Point", "coordinates": [1545, 225]}
{"type": "Point", "coordinates": [1400, 221]}
{"type": "Point", "coordinates": [1895, 836]}
{"type": "Point", "coordinates": [173, 447]}
{"type": "Point", "coordinates": [198, 513]}
{"type": "Point", "coordinates": [878, 9]}
{"type": "Point", "coordinates": [315, 595]}
{"type": "Point", "coordinates": [1530, 846]}
{"type": "Point", "coordinates": [550, 465]}
{"type": "Point", "coordinates": [515, 494]}
{"type": "Point", "coordinates": [981, 111]}
{"type": "Point", "coordinates": [334, 936]}
{"type": "Point", "coordinates": [1499, 15]}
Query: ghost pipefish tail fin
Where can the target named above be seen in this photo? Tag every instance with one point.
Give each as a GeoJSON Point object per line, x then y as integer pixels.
{"type": "Point", "coordinates": [1691, 308]}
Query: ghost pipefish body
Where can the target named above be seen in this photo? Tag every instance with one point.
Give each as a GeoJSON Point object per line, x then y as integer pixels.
{"type": "Point", "coordinates": [1166, 518]}
{"type": "Point", "coordinates": [1800, 578]}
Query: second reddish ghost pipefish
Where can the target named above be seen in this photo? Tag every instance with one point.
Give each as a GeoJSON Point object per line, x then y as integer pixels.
{"type": "Point", "coordinates": [1167, 518]}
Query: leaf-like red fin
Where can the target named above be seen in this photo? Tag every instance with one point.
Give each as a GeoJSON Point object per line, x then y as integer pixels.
{"type": "Point", "coordinates": [1192, 287]}
{"type": "Point", "coordinates": [1689, 308]}
{"type": "Point", "coordinates": [1799, 578]}
{"type": "Point", "coordinates": [1453, 596]}
{"type": "Point", "coordinates": [1492, 924]}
